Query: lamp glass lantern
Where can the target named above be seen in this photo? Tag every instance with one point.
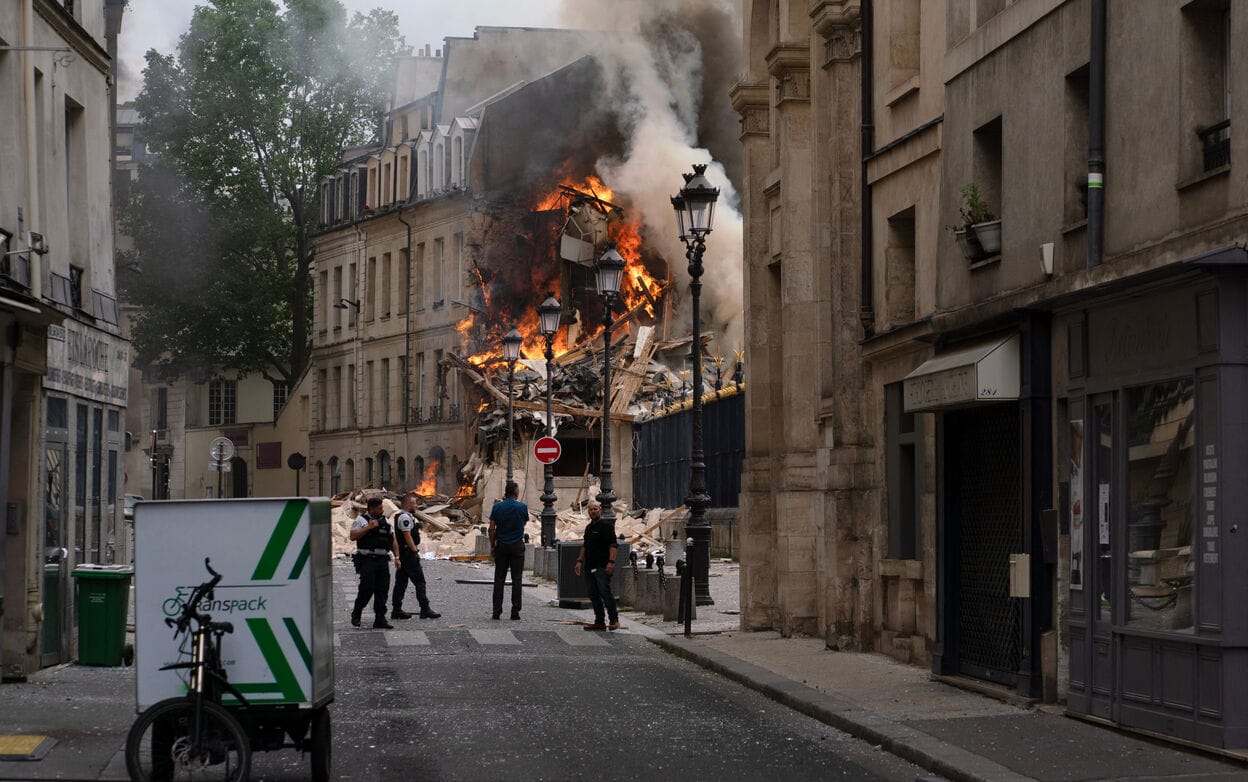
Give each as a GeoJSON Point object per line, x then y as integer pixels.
{"type": "Point", "coordinates": [678, 206]}
{"type": "Point", "coordinates": [548, 314]}
{"type": "Point", "coordinates": [698, 199]}
{"type": "Point", "coordinates": [610, 271]}
{"type": "Point", "coordinates": [511, 345]}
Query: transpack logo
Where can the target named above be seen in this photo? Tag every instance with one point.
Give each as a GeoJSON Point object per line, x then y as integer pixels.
{"type": "Point", "coordinates": [215, 605]}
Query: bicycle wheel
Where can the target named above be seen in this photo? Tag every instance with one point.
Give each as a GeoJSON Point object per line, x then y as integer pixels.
{"type": "Point", "coordinates": [160, 748]}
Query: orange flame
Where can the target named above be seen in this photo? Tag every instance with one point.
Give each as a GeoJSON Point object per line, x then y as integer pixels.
{"type": "Point", "coordinates": [429, 482]}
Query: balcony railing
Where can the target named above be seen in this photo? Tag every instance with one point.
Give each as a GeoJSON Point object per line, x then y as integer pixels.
{"type": "Point", "coordinates": [1215, 143]}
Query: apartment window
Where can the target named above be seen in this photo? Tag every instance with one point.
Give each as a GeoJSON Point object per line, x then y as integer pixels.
{"type": "Point", "coordinates": [987, 162]}
{"type": "Point", "coordinates": [337, 296]}
{"type": "Point", "coordinates": [322, 295]}
{"type": "Point", "coordinates": [370, 290]}
{"type": "Point", "coordinates": [75, 180]}
{"type": "Point", "coordinates": [370, 175]}
{"type": "Point", "coordinates": [457, 284]}
{"type": "Point", "coordinates": [352, 419]}
{"type": "Point", "coordinates": [368, 393]}
{"type": "Point", "coordinates": [222, 402]}
{"type": "Point", "coordinates": [322, 399]}
{"type": "Point", "coordinates": [406, 274]}
{"type": "Point", "coordinates": [420, 385]}
{"type": "Point", "coordinates": [353, 293]}
{"type": "Point", "coordinates": [281, 392]}
{"type": "Point", "coordinates": [457, 158]}
{"type": "Point", "coordinates": [899, 268]}
{"type": "Point", "coordinates": [386, 186]}
{"type": "Point", "coordinates": [335, 404]}
{"type": "Point", "coordinates": [439, 267]}
{"type": "Point", "coordinates": [384, 294]}
{"type": "Point", "coordinates": [1207, 84]}
{"type": "Point", "coordinates": [75, 286]}
{"type": "Point", "coordinates": [326, 208]}
{"type": "Point", "coordinates": [385, 391]}
{"type": "Point", "coordinates": [402, 182]}
{"type": "Point", "coordinates": [903, 41]}
{"type": "Point", "coordinates": [418, 277]}
{"type": "Point", "coordinates": [160, 409]}
{"type": "Point", "coordinates": [403, 389]}
{"type": "Point", "coordinates": [903, 440]}
{"type": "Point", "coordinates": [1076, 191]}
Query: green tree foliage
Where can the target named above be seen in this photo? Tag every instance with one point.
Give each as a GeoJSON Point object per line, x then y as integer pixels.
{"type": "Point", "coordinates": [248, 116]}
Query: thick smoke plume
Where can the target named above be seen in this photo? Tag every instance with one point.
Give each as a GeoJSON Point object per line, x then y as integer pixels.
{"type": "Point", "coordinates": [668, 78]}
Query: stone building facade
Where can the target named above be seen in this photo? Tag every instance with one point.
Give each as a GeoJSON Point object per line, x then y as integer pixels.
{"type": "Point", "coordinates": [1028, 482]}
{"type": "Point", "coordinates": [63, 364]}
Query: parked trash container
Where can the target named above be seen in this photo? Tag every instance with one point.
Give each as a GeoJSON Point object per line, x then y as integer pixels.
{"type": "Point", "coordinates": [103, 601]}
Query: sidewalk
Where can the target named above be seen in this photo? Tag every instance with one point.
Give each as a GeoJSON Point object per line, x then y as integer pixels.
{"type": "Point", "coordinates": [955, 733]}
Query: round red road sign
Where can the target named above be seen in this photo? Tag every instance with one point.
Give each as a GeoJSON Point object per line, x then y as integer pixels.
{"type": "Point", "coordinates": [547, 450]}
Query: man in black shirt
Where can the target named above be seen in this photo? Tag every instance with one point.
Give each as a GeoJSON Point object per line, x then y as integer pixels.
{"type": "Point", "coordinates": [597, 562]}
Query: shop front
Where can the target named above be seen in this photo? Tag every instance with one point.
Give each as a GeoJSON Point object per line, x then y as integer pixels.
{"type": "Point", "coordinates": [1156, 451]}
{"type": "Point", "coordinates": [992, 403]}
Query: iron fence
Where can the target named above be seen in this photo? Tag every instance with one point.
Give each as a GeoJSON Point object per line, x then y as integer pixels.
{"type": "Point", "coordinates": [661, 459]}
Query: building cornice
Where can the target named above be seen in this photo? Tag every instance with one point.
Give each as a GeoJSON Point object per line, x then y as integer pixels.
{"type": "Point", "coordinates": [829, 16]}
{"type": "Point", "coordinates": [788, 57]}
{"type": "Point", "coordinates": [73, 34]}
{"type": "Point", "coordinates": [752, 101]}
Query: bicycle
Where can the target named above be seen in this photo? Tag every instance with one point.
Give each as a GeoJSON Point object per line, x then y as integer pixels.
{"type": "Point", "coordinates": [193, 736]}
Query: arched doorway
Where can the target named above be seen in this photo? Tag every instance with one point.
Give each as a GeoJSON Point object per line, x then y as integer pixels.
{"type": "Point", "coordinates": [238, 477]}
{"type": "Point", "coordinates": [437, 464]}
{"type": "Point", "coordinates": [335, 476]}
{"type": "Point", "coordinates": [350, 474]}
{"type": "Point", "coordinates": [383, 467]}
{"type": "Point", "coordinates": [402, 466]}
{"type": "Point", "coordinates": [320, 478]}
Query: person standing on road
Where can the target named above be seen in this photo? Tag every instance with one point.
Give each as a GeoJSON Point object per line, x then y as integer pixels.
{"type": "Point", "coordinates": [597, 563]}
{"type": "Point", "coordinates": [408, 530]}
{"type": "Point", "coordinates": [374, 545]}
{"type": "Point", "coordinates": [507, 520]}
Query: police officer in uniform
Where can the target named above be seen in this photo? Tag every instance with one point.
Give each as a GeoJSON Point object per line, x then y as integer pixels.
{"type": "Point", "coordinates": [375, 545]}
{"type": "Point", "coordinates": [408, 529]}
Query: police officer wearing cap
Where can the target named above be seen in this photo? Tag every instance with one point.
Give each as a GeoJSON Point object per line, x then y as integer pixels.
{"type": "Point", "coordinates": [375, 546]}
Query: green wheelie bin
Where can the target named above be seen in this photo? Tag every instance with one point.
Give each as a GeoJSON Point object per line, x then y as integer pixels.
{"type": "Point", "coordinates": [103, 601]}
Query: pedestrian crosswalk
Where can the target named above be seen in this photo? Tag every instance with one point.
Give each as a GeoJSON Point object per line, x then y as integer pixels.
{"type": "Point", "coordinates": [492, 638]}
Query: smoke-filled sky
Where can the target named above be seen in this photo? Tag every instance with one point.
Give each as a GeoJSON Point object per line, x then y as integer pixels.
{"type": "Point", "coordinates": [157, 24]}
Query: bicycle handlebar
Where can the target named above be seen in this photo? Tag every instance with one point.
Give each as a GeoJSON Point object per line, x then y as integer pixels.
{"type": "Point", "coordinates": [189, 612]}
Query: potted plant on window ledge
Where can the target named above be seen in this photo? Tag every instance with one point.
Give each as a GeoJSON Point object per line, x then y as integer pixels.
{"type": "Point", "coordinates": [980, 233]}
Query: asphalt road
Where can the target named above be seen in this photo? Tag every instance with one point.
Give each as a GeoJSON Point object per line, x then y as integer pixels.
{"type": "Point", "coordinates": [467, 698]}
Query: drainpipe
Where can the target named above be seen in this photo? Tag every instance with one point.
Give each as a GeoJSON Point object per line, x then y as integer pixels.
{"type": "Point", "coordinates": [1096, 136]}
{"type": "Point", "coordinates": [34, 218]}
{"type": "Point", "coordinates": [407, 333]}
{"type": "Point", "coordinates": [866, 310]}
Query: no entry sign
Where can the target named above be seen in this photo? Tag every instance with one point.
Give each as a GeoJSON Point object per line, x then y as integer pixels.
{"type": "Point", "coordinates": [547, 450]}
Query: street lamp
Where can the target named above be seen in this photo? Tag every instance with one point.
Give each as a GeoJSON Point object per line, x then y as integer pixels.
{"type": "Point", "coordinates": [695, 210]}
{"type": "Point", "coordinates": [511, 352]}
{"type": "Point", "coordinates": [607, 274]}
{"type": "Point", "coordinates": [548, 315]}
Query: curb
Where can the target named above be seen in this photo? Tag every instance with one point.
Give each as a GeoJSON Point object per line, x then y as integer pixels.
{"type": "Point", "coordinates": [913, 745]}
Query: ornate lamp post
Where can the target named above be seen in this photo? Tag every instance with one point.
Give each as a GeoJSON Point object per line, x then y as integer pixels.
{"type": "Point", "coordinates": [511, 352]}
{"type": "Point", "coordinates": [695, 209]}
{"type": "Point", "coordinates": [548, 314]}
{"type": "Point", "coordinates": [608, 273]}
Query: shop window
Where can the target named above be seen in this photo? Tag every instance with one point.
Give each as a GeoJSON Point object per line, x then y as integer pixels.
{"type": "Point", "coordinates": [903, 438]}
{"type": "Point", "coordinates": [222, 402]}
{"type": "Point", "coordinates": [1103, 471]}
{"type": "Point", "coordinates": [1160, 432]}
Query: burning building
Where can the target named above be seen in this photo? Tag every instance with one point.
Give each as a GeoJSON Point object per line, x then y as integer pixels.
{"type": "Point", "coordinates": [488, 189]}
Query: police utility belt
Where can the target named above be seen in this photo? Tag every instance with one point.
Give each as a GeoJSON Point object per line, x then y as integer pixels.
{"type": "Point", "coordinates": [373, 552]}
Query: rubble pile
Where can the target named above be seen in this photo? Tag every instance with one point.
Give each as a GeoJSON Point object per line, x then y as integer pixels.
{"type": "Point", "coordinates": [453, 527]}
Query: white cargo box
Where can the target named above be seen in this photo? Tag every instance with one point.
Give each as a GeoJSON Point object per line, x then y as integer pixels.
{"type": "Point", "coordinates": [276, 589]}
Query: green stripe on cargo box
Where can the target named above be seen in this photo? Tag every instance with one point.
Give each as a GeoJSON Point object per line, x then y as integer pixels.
{"type": "Point", "coordinates": [283, 676]}
{"type": "Point", "coordinates": [297, 570]}
{"type": "Point", "coordinates": [297, 637]}
{"type": "Point", "coordinates": [279, 540]}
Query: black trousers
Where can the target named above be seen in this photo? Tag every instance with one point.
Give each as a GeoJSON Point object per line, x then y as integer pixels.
{"type": "Point", "coordinates": [598, 583]}
{"type": "Point", "coordinates": [409, 570]}
{"type": "Point", "coordinates": [508, 558]}
{"type": "Point", "coordinates": [374, 585]}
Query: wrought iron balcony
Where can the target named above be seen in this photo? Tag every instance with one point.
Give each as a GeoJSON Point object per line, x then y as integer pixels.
{"type": "Point", "coordinates": [1215, 142]}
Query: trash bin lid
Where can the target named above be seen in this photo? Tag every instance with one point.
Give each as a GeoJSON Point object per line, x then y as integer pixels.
{"type": "Point", "coordinates": [88, 570]}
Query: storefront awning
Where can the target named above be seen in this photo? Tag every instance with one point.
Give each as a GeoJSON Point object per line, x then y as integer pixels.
{"type": "Point", "coordinates": [983, 372]}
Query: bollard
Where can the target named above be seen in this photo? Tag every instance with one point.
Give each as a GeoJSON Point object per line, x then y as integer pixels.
{"type": "Point", "coordinates": [686, 590]}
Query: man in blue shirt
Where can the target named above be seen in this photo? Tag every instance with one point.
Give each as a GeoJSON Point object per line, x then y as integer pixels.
{"type": "Point", "coordinates": [507, 520]}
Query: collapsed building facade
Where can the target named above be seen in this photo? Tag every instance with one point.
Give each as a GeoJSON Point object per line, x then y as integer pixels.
{"type": "Point", "coordinates": [480, 199]}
